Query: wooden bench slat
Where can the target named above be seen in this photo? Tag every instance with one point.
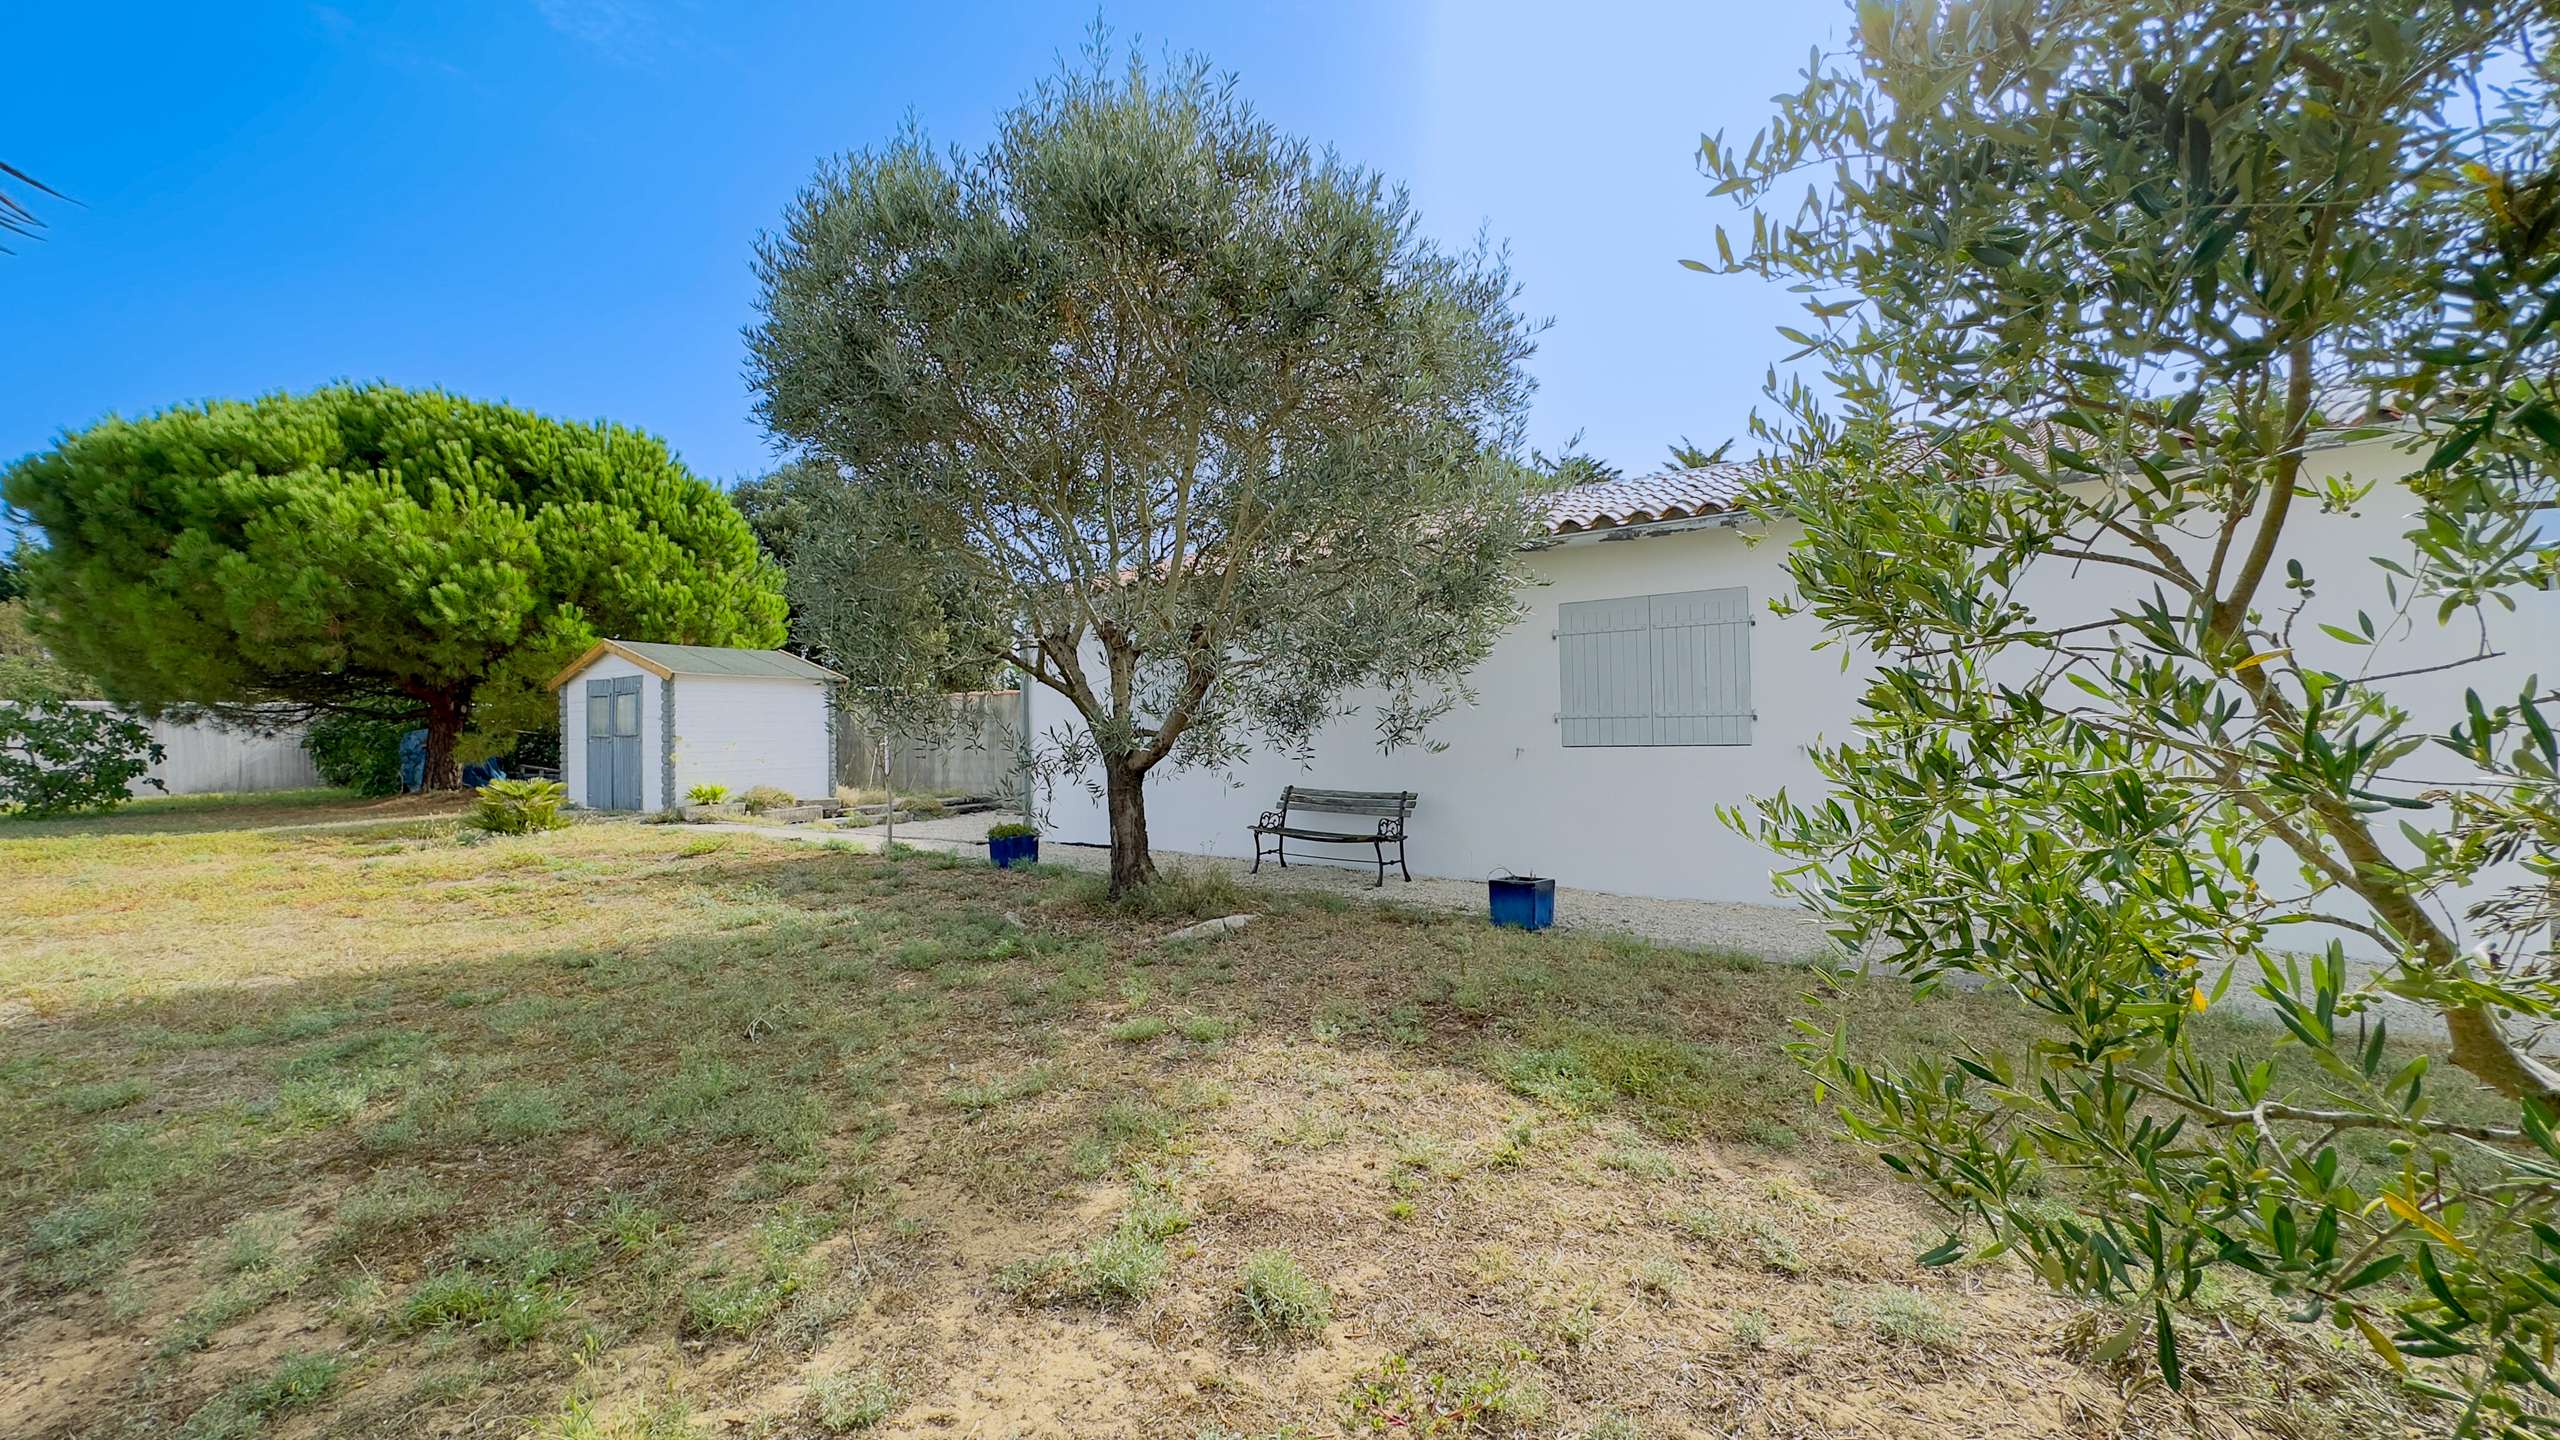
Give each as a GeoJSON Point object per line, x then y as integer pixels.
{"type": "Point", "coordinates": [1381, 810]}
{"type": "Point", "coordinates": [1349, 802]}
{"type": "Point", "coordinates": [1301, 802]}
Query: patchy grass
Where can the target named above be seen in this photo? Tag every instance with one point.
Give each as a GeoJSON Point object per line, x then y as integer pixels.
{"type": "Point", "coordinates": [243, 1409]}
{"type": "Point", "coordinates": [320, 1128]}
{"type": "Point", "coordinates": [843, 1404]}
{"type": "Point", "coordinates": [1278, 1300]}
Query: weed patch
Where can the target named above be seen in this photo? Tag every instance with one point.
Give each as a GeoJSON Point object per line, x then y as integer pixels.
{"type": "Point", "coordinates": [843, 1404]}
{"type": "Point", "coordinates": [242, 1411]}
{"type": "Point", "coordinates": [1278, 1300]}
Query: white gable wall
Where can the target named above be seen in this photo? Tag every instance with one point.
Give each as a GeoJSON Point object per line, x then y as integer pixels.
{"type": "Point", "coordinates": [1507, 793]}
{"type": "Point", "coordinates": [743, 732]}
{"type": "Point", "coordinates": [573, 729]}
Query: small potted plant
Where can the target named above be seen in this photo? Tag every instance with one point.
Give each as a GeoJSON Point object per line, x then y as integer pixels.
{"type": "Point", "coordinates": [1525, 902]}
{"type": "Point", "coordinates": [1013, 843]}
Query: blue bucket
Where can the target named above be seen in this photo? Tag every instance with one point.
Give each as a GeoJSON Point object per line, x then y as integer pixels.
{"type": "Point", "coordinates": [1010, 850]}
{"type": "Point", "coordinates": [1524, 902]}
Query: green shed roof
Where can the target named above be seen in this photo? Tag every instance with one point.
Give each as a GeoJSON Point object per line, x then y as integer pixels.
{"type": "Point", "coordinates": [674, 660]}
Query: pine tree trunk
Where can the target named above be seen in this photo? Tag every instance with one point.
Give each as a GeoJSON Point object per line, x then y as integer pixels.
{"type": "Point", "coordinates": [446, 715]}
{"type": "Point", "coordinates": [1124, 789]}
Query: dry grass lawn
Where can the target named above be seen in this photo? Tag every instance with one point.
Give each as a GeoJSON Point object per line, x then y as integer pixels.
{"type": "Point", "coordinates": [629, 1130]}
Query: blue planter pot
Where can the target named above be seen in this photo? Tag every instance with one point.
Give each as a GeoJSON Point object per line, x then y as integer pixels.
{"type": "Point", "coordinates": [1013, 849]}
{"type": "Point", "coordinates": [1525, 902]}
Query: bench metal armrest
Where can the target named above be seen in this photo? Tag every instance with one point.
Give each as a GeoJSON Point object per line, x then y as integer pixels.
{"type": "Point", "coordinates": [1272, 820]}
{"type": "Point", "coordinates": [1391, 829]}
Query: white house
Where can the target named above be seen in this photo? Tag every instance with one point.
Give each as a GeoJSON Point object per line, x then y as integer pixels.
{"type": "Point", "coordinates": [641, 724]}
{"type": "Point", "coordinates": [1650, 683]}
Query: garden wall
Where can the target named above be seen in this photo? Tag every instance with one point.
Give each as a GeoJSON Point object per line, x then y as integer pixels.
{"type": "Point", "coordinates": [205, 758]}
{"type": "Point", "coordinates": [982, 753]}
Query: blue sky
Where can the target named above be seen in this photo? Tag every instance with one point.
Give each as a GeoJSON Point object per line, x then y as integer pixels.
{"type": "Point", "coordinates": [552, 202]}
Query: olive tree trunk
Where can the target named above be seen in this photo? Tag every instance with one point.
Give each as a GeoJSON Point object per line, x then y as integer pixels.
{"type": "Point", "coordinates": [1124, 790]}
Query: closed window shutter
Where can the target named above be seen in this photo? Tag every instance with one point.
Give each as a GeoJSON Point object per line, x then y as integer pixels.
{"type": "Point", "coordinates": [1702, 668]}
{"type": "Point", "coordinates": [1608, 671]}
{"type": "Point", "coordinates": [1656, 669]}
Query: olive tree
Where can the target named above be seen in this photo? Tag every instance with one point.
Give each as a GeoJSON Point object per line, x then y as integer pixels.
{"type": "Point", "coordinates": [2089, 284]}
{"type": "Point", "coordinates": [1195, 411]}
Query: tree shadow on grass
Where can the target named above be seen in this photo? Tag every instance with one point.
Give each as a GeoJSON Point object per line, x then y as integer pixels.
{"type": "Point", "coordinates": [819, 1030]}
{"type": "Point", "coordinates": [212, 814]}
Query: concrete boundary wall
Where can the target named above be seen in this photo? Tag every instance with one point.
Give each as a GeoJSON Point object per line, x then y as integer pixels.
{"type": "Point", "coordinates": [207, 758]}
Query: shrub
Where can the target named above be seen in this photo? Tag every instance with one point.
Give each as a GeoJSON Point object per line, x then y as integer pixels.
{"type": "Point", "coordinates": [59, 759]}
{"type": "Point", "coordinates": [767, 797]}
{"type": "Point", "coordinates": [707, 794]}
{"type": "Point", "coordinates": [357, 752]}
{"type": "Point", "coordinates": [1276, 1298]}
{"type": "Point", "coordinates": [520, 807]}
{"type": "Point", "coordinates": [1012, 830]}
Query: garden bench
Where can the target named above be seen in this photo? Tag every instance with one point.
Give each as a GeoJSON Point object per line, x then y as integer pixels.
{"type": "Point", "coordinates": [1388, 807]}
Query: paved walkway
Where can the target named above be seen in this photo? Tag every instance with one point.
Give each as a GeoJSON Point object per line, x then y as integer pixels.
{"type": "Point", "coordinates": [1767, 931]}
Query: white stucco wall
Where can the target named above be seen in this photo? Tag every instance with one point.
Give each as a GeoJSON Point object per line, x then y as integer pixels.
{"type": "Point", "coordinates": [573, 730]}
{"type": "Point", "coordinates": [748, 732]}
{"type": "Point", "coordinates": [1506, 794]}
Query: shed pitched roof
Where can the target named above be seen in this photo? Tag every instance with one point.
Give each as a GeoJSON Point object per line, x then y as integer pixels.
{"type": "Point", "coordinates": [669, 661]}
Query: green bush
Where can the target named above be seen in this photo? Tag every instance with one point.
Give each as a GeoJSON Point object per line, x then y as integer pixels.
{"type": "Point", "coordinates": [357, 752]}
{"type": "Point", "coordinates": [767, 797]}
{"type": "Point", "coordinates": [707, 794]}
{"type": "Point", "coordinates": [1012, 830]}
{"type": "Point", "coordinates": [520, 807]}
{"type": "Point", "coordinates": [59, 759]}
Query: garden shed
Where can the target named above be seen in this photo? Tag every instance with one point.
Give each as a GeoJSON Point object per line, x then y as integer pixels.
{"type": "Point", "coordinates": [641, 723]}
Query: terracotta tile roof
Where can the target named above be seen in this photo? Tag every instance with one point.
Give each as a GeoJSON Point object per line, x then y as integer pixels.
{"type": "Point", "coordinates": [1682, 494]}
{"type": "Point", "coordinates": [1643, 499]}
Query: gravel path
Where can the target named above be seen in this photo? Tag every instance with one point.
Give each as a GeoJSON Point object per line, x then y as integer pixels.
{"type": "Point", "coordinates": [1768, 931]}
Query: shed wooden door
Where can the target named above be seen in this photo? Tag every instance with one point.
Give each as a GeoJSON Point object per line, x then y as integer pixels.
{"type": "Point", "coordinates": [613, 743]}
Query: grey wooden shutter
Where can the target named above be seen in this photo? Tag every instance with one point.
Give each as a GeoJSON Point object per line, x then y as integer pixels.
{"type": "Point", "coordinates": [1656, 669]}
{"type": "Point", "coordinates": [1702, 667]}
{"type": "Point", "coordinates": [1608, 688]}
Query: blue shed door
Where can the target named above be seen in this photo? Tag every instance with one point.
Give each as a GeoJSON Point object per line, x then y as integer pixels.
{"type": "Point", "coordinates": [613, 743]}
